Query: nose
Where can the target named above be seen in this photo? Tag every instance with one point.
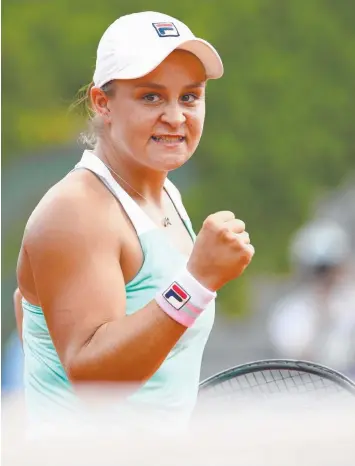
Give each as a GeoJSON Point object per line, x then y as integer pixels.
{"type": "Point", "coordinates": [173, 115]}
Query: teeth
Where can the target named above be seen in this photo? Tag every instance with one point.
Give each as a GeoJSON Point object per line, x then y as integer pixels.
{"type": "Point", "coordinates": [168, 138]}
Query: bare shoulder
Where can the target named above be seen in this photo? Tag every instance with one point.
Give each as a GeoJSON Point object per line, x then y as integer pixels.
{"type": "Point", "coordinates": [77, 205]}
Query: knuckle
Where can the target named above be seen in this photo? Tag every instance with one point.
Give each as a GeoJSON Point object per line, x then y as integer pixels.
{"type": "Point", "coordinates": [230, 215]}
{"type": "Point", "coordinates": [238, 226]}
{"type": "Point", "coordinates": [224, 231]}
{"type": "Point", "coordinates": [246, 236]}
{"type": "Point", "coordinates": [246, 251]}
{"type": "Point", "coordinates": [237, 242]}
{"type": "Point", "coordinates": [250, 251]}
{"type": "Point", "coordinates": [241, 224]}
{"type": "Point", "coordinates": [209, 222]}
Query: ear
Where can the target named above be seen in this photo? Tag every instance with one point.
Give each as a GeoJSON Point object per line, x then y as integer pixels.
{"type": "Point", "coordinates": [99, 101]}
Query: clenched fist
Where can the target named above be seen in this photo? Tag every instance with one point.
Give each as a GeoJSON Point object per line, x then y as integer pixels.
{"type": "Point", "coordinates": [222, 251]}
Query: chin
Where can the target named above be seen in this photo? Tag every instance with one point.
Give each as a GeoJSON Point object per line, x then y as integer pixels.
{"type": "Point", "coordinates": [176, 164]}
{"type": "Point", "coordinates": [171, 162]}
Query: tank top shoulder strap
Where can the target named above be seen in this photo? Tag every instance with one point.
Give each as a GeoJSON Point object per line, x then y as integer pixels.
{"type": "Point", "coordinates": [138, 217]}
{"type": "Point", "coordinates": [175, 196]}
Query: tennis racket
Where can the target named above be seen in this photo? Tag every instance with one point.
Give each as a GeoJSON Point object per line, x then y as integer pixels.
{"type": "Point", "coordinates": [268, 378]}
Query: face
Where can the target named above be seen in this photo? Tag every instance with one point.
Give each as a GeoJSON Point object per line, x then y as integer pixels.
{"type": "Point", "coordinates": [158, 120]}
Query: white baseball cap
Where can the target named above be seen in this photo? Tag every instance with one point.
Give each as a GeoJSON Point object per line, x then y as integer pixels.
{"type": "Point", "coordinates": [135, 44]}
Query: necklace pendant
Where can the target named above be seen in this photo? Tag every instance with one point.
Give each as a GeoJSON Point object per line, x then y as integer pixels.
{"type": "Point", "coordinates": [166, 221]}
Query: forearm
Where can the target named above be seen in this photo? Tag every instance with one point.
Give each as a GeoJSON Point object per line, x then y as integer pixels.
{"type": "Point", "coordinates": [128, 350]}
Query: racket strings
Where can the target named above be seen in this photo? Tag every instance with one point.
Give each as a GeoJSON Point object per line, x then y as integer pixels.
{"type": "Point", "coordinates": [268, 382]}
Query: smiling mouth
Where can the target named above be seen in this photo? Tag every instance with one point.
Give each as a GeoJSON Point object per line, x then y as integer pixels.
{"type": "Point", "coordinates": [168, 139]}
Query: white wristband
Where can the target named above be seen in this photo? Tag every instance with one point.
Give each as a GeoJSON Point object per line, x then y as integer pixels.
{"type": "Point", "coordinates": [185, 298]}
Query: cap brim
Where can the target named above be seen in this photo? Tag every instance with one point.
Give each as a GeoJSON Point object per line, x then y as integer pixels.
{"type": "Point", "coordinates": [208, 56]}
{"type": "Point", "coordinates": [204, 51]}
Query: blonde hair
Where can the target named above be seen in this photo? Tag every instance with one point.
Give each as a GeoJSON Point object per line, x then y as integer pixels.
{"type": "Point", "coordinates": [82, 103]}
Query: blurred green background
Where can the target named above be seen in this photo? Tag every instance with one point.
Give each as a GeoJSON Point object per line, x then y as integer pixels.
{"type": "Point", "coordinates": [279, 129]}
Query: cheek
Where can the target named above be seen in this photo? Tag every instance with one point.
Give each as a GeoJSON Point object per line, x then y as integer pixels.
{"type": "Point", "coordinates": [130, 127]}
{"type": "Point", "coordinates": [139, 125]}
{"type": "Point", "coordinates": [196, 123]}
{"type": "Point", "coordinates": [143, 121]}
{"type": "Point", "coordinates": [117, 126]}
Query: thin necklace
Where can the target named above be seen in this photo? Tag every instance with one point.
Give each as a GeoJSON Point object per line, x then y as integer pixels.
{"type": "Point", "coordinates": [165, 221]}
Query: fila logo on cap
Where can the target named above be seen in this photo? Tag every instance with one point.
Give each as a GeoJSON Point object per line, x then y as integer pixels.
{"type": "Point", "coordinates": [176, 296]}
{"type": "Point", "coordinates": [166, 29]}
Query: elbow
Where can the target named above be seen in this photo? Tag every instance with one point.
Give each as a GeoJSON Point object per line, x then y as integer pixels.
{"type": "Point", "coordinates": [78, 371]}
{"type": "Point", "coordinates": [74, 366]}
{"type": "Point", "coordinates": [74, 374]}
{"type": "Point", "coordinates": [100, 372]}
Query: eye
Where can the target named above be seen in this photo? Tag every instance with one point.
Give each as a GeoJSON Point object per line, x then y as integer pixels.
{"type": "Point", "coordinates": [152, 98]}
{"type": "Point", "coordinates": [189, 98]}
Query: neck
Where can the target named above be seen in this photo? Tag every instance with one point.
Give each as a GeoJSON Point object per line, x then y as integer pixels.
{"type": "Point", "coordinates": [145, 181]}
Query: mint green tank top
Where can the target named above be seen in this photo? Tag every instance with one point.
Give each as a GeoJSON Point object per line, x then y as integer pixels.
{"type": "Point", "coordinates": [172, 390]}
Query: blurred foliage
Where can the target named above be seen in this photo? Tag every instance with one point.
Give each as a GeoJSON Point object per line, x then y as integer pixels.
{"type": "Point", "coordinates": [279, 127]}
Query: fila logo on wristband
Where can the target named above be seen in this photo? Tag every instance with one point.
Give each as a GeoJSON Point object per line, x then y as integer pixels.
{"type": "Point", "coordinates": [176, 296]}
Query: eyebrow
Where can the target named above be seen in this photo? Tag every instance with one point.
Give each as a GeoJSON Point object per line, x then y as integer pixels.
{"type": "Point", "coordinates": [160, 86]}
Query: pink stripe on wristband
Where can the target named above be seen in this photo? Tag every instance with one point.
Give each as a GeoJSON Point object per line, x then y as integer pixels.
{"type": "Point", "coordinates": [195, 310]}
{"type": "Point", "coordinates": [180, 316]}
{"type": "Point", "coordinates": [184, 299]}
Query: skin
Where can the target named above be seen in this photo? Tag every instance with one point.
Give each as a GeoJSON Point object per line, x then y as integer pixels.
{"type": "Point", "coordinates": [170, 100]}
{"type": "Point", "coordinates": [18, 312]}
{"type": "Point", "coordinates": [79, 248]}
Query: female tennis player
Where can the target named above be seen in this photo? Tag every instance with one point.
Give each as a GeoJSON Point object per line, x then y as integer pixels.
{"type": "Point", "coordinates": [116, 286]}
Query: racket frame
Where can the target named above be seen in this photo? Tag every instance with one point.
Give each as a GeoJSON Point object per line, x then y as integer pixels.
{"type": "Point", "coordinates": [279, 364]}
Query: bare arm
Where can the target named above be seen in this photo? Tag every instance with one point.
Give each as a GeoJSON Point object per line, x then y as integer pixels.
{"type": "Point", "coordinates": [80, 285]}
{"type": "Point", "coordinates": [18, 312]}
